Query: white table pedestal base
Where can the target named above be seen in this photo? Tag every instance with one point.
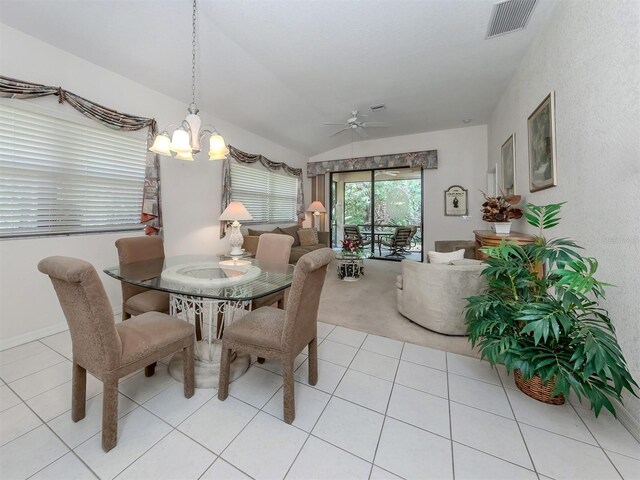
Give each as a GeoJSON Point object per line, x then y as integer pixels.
{"type": "Point", "coordinates": [207, 312]}
{"type": "Point", "coordinates": [208, 373]}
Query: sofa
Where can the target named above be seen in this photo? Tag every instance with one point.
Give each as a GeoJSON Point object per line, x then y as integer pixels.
{"type": "Point", "coordinates": [433, 295]}
{"type": "Point", "coordinates": [297, 250]}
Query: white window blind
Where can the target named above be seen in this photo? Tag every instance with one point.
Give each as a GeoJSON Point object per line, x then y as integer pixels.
{"type": "Point", "coordinates": [270, 197]}
{"type": "Point", "coordinates": [59, 175]}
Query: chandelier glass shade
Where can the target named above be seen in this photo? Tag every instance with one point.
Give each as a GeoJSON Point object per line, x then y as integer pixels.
{"type": "Point", "coordinates": [187, 137]}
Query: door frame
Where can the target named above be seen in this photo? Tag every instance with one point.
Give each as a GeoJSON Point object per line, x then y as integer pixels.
{"type": "Point", "coordinates": [372, 203]}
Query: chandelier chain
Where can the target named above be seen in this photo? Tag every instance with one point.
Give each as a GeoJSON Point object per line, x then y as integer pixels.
{"type": "Point", "coordinates": [193, 55]}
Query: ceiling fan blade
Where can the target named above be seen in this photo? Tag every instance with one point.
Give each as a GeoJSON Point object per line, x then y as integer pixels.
{"type": "Point", "coordinates": [361, 133]}
{"type": "Point", "coordinates": [346, 128]}
{"type": "Point", "coordinates": [341, 123]}
{"type": "Point", "coordinates": [374, 124]}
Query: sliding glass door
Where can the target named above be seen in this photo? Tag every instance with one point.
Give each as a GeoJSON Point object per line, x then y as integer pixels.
{"type": "Point", "coordinates": [383, 206]}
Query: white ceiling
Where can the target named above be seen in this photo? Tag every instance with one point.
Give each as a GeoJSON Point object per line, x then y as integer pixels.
{"type": "Point", "coordinates": [281, 68]}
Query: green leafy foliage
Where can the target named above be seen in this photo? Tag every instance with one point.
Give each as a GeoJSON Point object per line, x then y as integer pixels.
{"type": "Point", "coordinates": [540, 315]}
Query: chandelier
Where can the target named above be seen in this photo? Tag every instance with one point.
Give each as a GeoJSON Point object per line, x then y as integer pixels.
{"type": "Point", "coordinates": [185, 140]}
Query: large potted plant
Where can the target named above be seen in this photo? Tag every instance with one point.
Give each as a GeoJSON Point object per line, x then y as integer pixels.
{"type": "Point", "coordinates": [540, 318]}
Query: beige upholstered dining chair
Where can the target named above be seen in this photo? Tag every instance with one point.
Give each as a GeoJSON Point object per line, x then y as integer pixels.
{"type": "Point", "coordinates": [282, 334]}
{"type": "Point", "coordinates": [273, 254]}
{"type": "Point", "coordinates": [107, 350]}
{"type": "Point", "coordinates": [136, 299]}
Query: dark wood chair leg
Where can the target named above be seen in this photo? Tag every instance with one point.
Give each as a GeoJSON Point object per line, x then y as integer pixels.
{"type": "Point", "coordinates": [189, 366]}
{"type": "Point", "coordinates": [289, 394]}
{"type": "Point", "coordinates": [78, 392]}
{"type": "Point", "coordinates": [149, 370]}
{"type": "Point", "coordinates": [110, 415]}
{"type": "Point", "coordinates": [197, 319]}
{"type": "Point", "coordinates": [313, 361]}
{"type": "Point", "coordinates": [225, 367]}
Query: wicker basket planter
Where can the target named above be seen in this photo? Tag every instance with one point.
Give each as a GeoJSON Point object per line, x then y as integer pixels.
{"type": "Point", "coordinates": [537, 390]}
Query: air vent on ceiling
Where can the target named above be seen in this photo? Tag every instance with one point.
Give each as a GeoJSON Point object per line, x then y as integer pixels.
{"type": "Point", "coordinates": [378, 107]}
{"type": "Point", "coordinates": [509, 16]}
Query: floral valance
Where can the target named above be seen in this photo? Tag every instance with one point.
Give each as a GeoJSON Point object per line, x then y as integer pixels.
{"type": "Point", "coordinates": [151, 212]}
{"type": "Point", "coordinates": [427, 159]}
{"type": "Point", "coordinates": [243, 157]}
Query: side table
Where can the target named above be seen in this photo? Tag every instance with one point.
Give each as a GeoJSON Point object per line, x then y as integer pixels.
{"type": "Point", "coordinates": [350, 265]}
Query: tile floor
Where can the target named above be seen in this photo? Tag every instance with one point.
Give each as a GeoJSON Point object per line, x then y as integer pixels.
{"type": "Point", "coordinates": [382, 409]}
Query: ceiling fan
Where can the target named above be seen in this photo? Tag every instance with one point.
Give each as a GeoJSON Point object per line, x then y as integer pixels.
{"type": "Point", "coordinates": [355, 124]}
{"type": "Point", "coordinates": [390, 173]}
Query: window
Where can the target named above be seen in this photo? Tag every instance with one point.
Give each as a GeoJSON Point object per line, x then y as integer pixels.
{"type": "Point", "coordinates": [60, 174]}
{"type": "Point", "coordinates": [270, 197]}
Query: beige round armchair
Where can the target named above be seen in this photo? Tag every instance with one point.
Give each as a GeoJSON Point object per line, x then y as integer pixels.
{"type": "Point", "coordinates": [433, 295]}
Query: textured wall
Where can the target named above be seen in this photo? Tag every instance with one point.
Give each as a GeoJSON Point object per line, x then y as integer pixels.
{"type": "Point", "coordinates": [590, 55]}
{"type": "Point", "coordinates": [191, 191]}
{"type": "Point", "coordinates": [462, 156]}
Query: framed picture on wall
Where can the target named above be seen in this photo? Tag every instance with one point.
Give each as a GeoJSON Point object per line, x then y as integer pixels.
{"type": "Point", "coordinates": [542, 145]}
{"type": "Point", "coordinates": [508, 166]}
{"type": "Point", "coordinates": [455, 201]}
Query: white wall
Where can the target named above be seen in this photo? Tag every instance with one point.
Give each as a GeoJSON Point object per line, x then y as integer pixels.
{"type": "Point", "coordinates": [191, 191]}
{"type": "Point", "coordinates": [462, 160]}
{"type": "Point", "coordinates": [590, 55]}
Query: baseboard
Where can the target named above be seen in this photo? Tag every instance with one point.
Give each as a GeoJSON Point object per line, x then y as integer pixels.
{"type": "Point", "coordinates": [31, 336]}
{"type": "Point", "coordinates": [628, 420]}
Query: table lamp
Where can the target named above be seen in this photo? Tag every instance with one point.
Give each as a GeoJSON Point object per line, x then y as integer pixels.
{"type": "Point", "coordinates": [234, 212]}
{"type": "Point", "coordinates": [317, 208]}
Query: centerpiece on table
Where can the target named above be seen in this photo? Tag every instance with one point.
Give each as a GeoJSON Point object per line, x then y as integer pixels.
{"type": "Point", "coordinates": [540, 318]}
{"type": "Point", "coordinates": [500, 211]}
{"type": "Point", "coordinates": [353, 251]}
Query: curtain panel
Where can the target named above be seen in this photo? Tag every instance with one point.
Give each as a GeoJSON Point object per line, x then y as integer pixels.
{"type": "Point", "coordinates": [427, 159]}
{"type": "Point", "coordinates": [151, 210]}
{"type": "Point", "coordinates": [249, 158]}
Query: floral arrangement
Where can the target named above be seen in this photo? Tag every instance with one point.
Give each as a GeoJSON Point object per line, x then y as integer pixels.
{"type": "Point", "coordinates": [500, 209]}
{"type": "Point", "coordinates": [350, 245]}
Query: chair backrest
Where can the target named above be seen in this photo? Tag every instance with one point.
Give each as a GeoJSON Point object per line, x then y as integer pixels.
{"type": "Point", "coordinates": [274, 249]}
{"type": "Point", "coordinates": [137, 249]}
{"type": "Point", "coordinates": [402, 237]}
{"type": "Point", "coordinates": [96, 343]}
{"type": "Point", "coordinates": [352, 232]}
{"type": "Point", "coordinates": [300, 325]}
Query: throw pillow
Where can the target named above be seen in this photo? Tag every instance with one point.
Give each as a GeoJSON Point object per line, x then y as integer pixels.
{"type": "Point", "coordinates": [292, 231]}
{"type": "Point", "coordinates": [257, 233]}
{"type": "Point", "coordinates": [308, 237]}
{"type": "Point", "coordinates": [466, 261]}
{"type": "Point", "coordinates": [445, 257]}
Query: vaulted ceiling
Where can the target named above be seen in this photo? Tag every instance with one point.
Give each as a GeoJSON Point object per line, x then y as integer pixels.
{"type": "Point", "coordinates": [281, 68]}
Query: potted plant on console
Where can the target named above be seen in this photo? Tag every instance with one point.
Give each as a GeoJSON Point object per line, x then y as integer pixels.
{"type": "Point", "coordinates": [500, 211]}
{"type": "Point", "coordinates": [540, 318]}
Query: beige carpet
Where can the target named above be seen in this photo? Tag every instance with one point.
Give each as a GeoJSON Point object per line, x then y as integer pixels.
{"type": "Point", "coordinates": [369, 305]}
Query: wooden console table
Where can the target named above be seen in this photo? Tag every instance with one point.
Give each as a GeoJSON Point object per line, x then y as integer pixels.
{"type": "Point", "coordinates": [488, 238]}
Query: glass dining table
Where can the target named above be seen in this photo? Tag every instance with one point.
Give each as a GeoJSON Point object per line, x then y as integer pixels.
{"type": "Point", "coordinates": [208, 292]}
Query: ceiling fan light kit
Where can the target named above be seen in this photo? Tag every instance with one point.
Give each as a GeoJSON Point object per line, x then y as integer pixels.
{"type": "Point", "coordinates": [185, 140]}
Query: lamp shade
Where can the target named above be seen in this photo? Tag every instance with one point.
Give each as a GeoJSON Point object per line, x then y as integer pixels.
{"type": "Point", "coordinates": [316, 207]}
{"type": "Point", "coordinates": [184, 156]}
{"type": "Point", "coordinates": [180, 141]}
{"type": "Point", "coordinates": [217, 148]}
{"type": "Point", "coordinates": [161, 144]}
{"type": "Point", "coordinates": [235, 211]}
